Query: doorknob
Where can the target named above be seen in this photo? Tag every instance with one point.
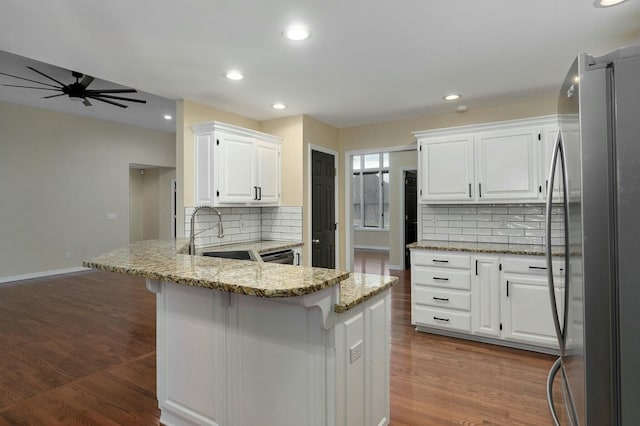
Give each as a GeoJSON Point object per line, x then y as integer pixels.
{"type": "Point", "coordinates": [315, 241]}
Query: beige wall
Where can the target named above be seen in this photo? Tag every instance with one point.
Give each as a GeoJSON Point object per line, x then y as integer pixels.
{"type": "Point", "coordinates": [371, 239]}
{"type": "Point", "coordinates": [136, 205]}
{"type": "Point", "coordinates": [290, 130]}
{"type": "Point", "coordinates": [397, 162]}
{"type": "Point", "coordinates": [60, 175]}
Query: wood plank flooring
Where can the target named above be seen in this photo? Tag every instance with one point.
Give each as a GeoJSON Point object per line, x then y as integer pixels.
{"type": "Point", "coordinates": [79, 349]}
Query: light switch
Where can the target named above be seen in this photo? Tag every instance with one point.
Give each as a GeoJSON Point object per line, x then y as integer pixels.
{"type": "Point", "coordinates": [112, 216]}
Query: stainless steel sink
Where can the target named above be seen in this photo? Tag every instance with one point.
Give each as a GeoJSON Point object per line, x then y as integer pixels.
{"type": "Point", "coordinates": [230, 254]}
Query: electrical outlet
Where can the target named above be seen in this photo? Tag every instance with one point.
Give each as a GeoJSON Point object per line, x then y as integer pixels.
{"type": "Point", "coordinates": [355, 352]}
{"type": "Point", "coordinates": [67, 255]}
{"type": "Point", "coordinates": [241, 225]}
{"type": "Point", "coordinates": [112, 216]}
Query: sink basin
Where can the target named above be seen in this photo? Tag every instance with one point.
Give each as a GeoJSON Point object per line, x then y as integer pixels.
{"type": "Point", "coordinates": [230, 254]}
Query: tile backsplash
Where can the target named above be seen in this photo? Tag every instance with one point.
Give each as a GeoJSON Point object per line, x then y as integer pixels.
{"type": "Point", "coordinates": [514, 224]}
{"type": "Point", "coordinates": [246, 224]}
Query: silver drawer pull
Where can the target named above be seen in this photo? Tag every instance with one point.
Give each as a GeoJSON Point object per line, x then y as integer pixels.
{"type": "Point", "coordinates": [441, 319]}
{"type": "Point", "coordinates": [440, 261]}
{"type": "Point", "coordinates": [442, 299]}
{"type": "Point", "coordinates": [441, 279]}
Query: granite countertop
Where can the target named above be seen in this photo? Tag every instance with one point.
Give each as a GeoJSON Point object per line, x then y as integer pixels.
{"type": "Point", "coordinates": [360, 287]}
{"type": "Point", "coordinates": [518, 249]}
{"type": "Point", "coordinates": [163, 260]}
{"type": "Point", "coordinates": [166, 261]}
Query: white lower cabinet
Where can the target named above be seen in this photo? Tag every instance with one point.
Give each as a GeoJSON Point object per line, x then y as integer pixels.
{"type": "Point", "coordinates": [440, 284]}
{"type": "Point", "coordinates": [526, 313]}
{"type": "Point", "coordinates": [501, 299]}
{"type": "Point", "coordinates": [485, 293]}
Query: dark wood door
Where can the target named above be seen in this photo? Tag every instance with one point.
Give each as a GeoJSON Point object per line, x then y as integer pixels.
{"type": "Point", "coordinates": [323, 219]}
{"type": "Point", "coordinates": [410, 213]}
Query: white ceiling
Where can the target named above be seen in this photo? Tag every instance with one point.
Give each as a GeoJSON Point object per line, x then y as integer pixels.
{"type": "Point", "coordinates": [366, 61]}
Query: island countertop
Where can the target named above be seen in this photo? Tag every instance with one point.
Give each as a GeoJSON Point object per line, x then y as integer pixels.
{"type": "Point", "coordinates": [165, 261]}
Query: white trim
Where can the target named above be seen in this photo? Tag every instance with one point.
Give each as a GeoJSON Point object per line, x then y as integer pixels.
{"type": "Point", "coordinates": [4, 280]}
{"type": "Point", "coordinates": [375, 248]}
{"type": "Point", "coordinates": [173, 209]}
{"type": "Point", "coordinates": [348, 171]}
{"type": "Point", "coordinates": [403, 213]}
{"type": "Point", "coordinates": [395, 268]}
{"type": "Point", "coordinates": [310, 149]}
{"type": "Point", "coordinates": [371, 229]}
{"type": "Point", "coordinates": [542, 121]}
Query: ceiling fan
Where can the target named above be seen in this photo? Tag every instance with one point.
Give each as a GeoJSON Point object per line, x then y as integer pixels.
{"type": "Point", "coordinates": [78, 90]}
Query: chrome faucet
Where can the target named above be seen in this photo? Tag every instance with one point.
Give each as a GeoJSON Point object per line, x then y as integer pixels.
{"type": "Point", "coordinates": [192, 233]}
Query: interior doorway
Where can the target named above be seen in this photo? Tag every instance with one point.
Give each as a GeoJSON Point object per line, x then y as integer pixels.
{"type": "Point", "coordinates": [323, 212]}
{"type": "Point", "coordinates": [410, 213]}
{"type": "Point", "coordinates": [152, 202]}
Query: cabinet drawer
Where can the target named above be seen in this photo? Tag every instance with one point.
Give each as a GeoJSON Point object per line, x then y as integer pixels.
{"type": "Point", "coordinates": [442, 298]}
{"type": "Point", "coordinates": [439, 277]}
{"type": "Point", "coordinates": [440, 259]}
{"type": "Point", "coordinates": [442, 318]}
{"type": "Point", "coordinates": [530, 265]}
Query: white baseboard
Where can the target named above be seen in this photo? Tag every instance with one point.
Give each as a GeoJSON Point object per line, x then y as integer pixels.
{"type": "Point", "coordinates": [375, 248]}
{"type": "Point", "coordinates": [4, 280]}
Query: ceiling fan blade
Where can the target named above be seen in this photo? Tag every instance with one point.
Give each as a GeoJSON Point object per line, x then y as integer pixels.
{"type": "Point", "coordinates": [27, 79]}
{"type": "Point", "coordinates": [31, 87]}
{"type": "Point", "coordinates": [140, 101]}
{"type": "Point", "coordinates": [44, 75]}
{"type": "Point", "coordinates": [86, 80]}
{"type": "Point", "coordinates": [53, 96]}
{"type": "Point", "coordinates": [96, 91]}
{"type": "Point", "coordinates": [107, 101]}
{"type": "Point", "coordinates": [86, 102]}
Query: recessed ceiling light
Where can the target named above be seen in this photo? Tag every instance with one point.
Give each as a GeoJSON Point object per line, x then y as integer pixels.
{"type": "Point", "coordinates": [452, 97]}
{"type": "Point", "coordinates": [607, 3]}
{"type": "Point", "coordinates": [234, 75]}
{"type": "Point", "coordinates": [297, 33]}
{"type": "Point", "coordinates": [278, 105]}
{"type": "Point", "coordinates": [167, 117]}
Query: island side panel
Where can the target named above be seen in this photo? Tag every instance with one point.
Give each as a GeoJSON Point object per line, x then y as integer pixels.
{"type": "Point", "coordinates": [276, 362]}
{"type": "Point", "coordinates": [191, 355]}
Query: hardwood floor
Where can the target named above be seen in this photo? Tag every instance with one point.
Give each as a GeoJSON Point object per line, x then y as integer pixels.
{"type": "Point", "coordinates": [80, 350]}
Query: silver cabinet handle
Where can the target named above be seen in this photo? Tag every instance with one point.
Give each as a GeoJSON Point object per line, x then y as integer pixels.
{"type": "Point", "coordinates": [315, 241]}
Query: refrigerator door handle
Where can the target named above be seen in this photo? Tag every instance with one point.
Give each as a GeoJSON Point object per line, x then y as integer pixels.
{"type": "Point", "coordinates": [558, 150]}
{"type": "Point", "coordinates": [550, 378]}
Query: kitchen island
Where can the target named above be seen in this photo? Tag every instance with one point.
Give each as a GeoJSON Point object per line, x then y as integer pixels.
{"type": "Point", "coordinates": [252, 343]}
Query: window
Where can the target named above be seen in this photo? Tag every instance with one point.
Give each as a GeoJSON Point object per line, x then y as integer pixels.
{"type": "Point", "coordinates": [370, 191]}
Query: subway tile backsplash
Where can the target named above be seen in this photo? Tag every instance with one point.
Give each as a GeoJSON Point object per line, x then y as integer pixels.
{"type": "Point", "coordinates": [243, 224]}
{"type": "Point", "coordinates": [515, 224]}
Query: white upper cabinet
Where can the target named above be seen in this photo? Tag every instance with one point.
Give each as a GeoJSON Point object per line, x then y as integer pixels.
{"type": "Point", "coordinates": [488, 163]}
{"type": "Point", "coordinates": [446, 169]}
{"type": "Point", "coordinates": [235, 166]}
{"type": "Point", "coordinates": [507, 164]}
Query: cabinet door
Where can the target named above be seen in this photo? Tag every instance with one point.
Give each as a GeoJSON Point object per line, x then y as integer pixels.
{"type": "Point", "coordinates": [236, 169]}
{"type": "Point", "coordinates": [485, 296]}
{"type": "Point", "coordinates": [526, 314]}
{"type": "Point", "coordinates": [507, 165]}
{"type": "Point", "coordinates": [204, 168]}
{"type": "Point", "coordinates": [268, 172]}
{"type": "Point", "coordinates": [445, 167]}
{"type": "Point", "coordinates": [549, 136]}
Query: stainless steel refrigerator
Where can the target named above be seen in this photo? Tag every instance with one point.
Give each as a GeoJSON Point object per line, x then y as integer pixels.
{"type": "Point", "coordinates": [595, 180]}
